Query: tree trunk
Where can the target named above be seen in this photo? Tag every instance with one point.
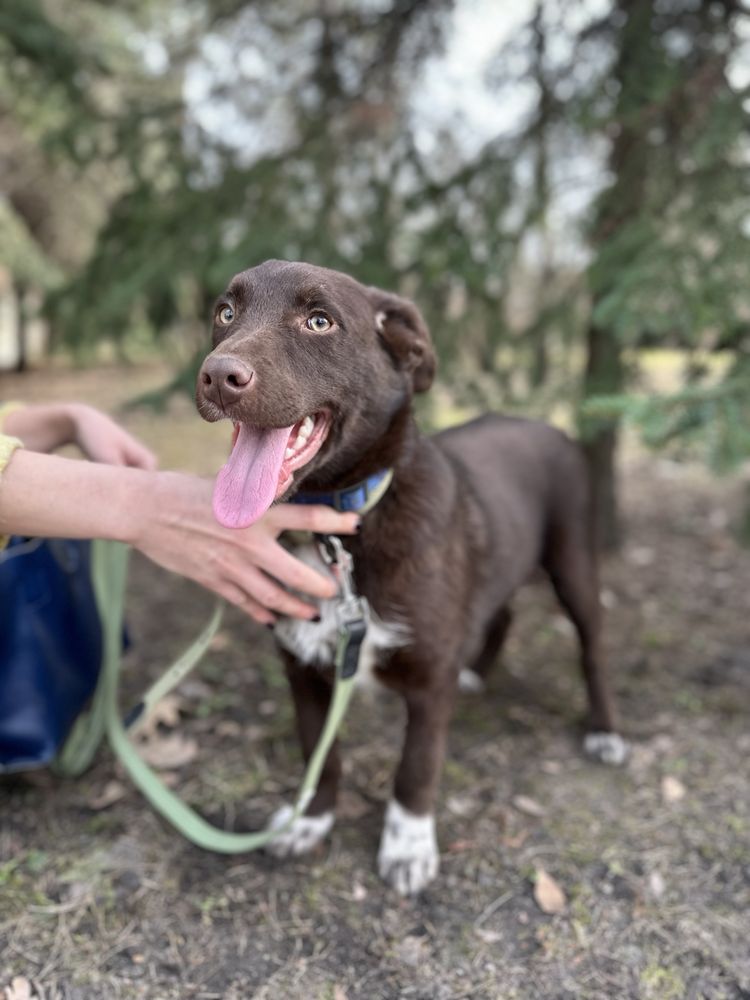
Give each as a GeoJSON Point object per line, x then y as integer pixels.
{"type": "Point", "coordinates": [604, 377]}
{"type": "Point", "coordinates": [628, 165]}
{"type": "Point", "coordinates": [22, 345]}
{"type": "Point", "coordinates": [539, 360]}
{"type": "Point", "coordinates": [743, 528]}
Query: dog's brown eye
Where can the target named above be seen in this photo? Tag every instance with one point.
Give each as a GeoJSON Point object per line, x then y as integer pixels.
{"type": "Point", "coordinates": [318, 323]}
{"type": "Point", "coordinates": [226, 315]}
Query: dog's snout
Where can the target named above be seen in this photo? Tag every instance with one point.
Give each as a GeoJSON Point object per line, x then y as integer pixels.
{"type": "Point", "coordinates": [224, 379]}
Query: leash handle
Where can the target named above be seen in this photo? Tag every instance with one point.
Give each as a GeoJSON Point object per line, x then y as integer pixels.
{"type": "Point", "coordinates": [109, 573]}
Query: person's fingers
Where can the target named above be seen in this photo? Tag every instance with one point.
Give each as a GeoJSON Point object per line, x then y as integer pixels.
{"type": "Point", "coordinates": [294, 573]}
{"type": "Point", "coordinates": [106, 453]}
{"type": "Point", "coordinates": [133, 452]}
{"type": "Point", "coordinates": [246, 603]}
{"type": "Point", "coordinates": [120, 453]}
{"type": "Point", "coordinates": [139, 456]}
{"type": "Point", "coordinates": [271, 595]}
{"type": "Point", "coordinates": [102, 440]}
{"type": "Point", "coordinates": [317, 518]}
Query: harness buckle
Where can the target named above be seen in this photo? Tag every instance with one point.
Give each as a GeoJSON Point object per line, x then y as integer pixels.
{"type": "Point", "coordinates": [353, 616]}
{"type": "Point", "coordinates": [352, 610]}
{"type": "Point", "coordinates": [340, 561]}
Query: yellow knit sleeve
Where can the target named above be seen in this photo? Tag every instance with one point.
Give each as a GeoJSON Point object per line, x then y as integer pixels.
{"type": "Point", "coordinates": [8, 445]}
{"type": "Point", "coordinates": [6, 409]}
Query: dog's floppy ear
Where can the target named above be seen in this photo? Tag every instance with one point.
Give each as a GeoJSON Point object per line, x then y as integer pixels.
{"type": "Point", "coordinates": [404, 334]}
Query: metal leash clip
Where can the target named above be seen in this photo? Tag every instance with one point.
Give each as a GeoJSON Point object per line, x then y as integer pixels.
{"type": "Point", "coordinates": [352, 610]}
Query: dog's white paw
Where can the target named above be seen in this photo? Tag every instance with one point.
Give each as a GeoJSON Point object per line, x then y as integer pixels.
{"type": "Point", "coordinates": [301, 836]}
{"type": "Point", "coordinates": [607, 748]}
{"type": "Point", "coordinates": [470, 683]}
{"type": "Point", "coordinates": [408, 858]}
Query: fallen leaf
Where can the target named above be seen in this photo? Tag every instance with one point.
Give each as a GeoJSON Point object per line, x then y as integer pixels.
{"type": "Point", "coordinates": [551, 766]}
{"type": "Point", "coordinates": [220, 641]}
{"type": "Point", "coordinates": [529, 806]}
{"type": "Point", "coordinates": [461, 805]}
{"type": "Point", "coordinates": [112, 792]}
{"type": "Point", "coordinates": [640, 555]}
{"type": "Point", "coordinates": [168, 752]}
{"type": "Point", "coordinates": [562, 625]}
{"type": "Point", "coordinates": [489, 937]}
{"type": "Point", "coordinates": [19, 989]}
{"type": "Point", "coordinates": [411, 950]}
{"type": "Point", "coordinates": [608, 599]}
{"type": "Point", "coordinates": [75, 892]}
{"type": "Point", "coordinates": [166, 712]}
{"type": "Point", "coordinates": [656, 885]}
{"type": "Point", "coordinates": [359, 893]}
{"type": "Point", "coordinates": [549, 896]}
{"type": "Point", "coordinates": [459, 846]}
{"type": "Point", "coordinates": [672, 789]}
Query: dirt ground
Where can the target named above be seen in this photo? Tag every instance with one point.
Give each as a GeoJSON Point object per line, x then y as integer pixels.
{"type": "Point", "coordinates": [99, 900]}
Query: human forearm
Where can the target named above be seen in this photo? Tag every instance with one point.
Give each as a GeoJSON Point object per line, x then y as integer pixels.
{"type": "Point", "coordinates": [45, 495]}
{"type": "Point", "coordinates": [42, 428]}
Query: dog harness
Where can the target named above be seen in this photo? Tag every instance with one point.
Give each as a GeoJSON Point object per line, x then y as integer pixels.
{"type": "Point", "coordinates": [352, 610]}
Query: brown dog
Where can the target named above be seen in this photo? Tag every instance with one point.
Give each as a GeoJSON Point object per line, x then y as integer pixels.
{"type": "Point", "coordinates": [318, 373]}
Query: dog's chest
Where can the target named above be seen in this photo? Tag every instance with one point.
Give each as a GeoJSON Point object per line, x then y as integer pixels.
{"type": "Point", "coordinates": [315, 643]}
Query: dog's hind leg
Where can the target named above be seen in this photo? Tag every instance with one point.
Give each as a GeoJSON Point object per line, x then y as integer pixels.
{"type": "Point", "coordinates": [473, 678]}
{"type": "Point", "coordinates": [572, 568]}
{"type": "Point", "coordinates": [312, 695]}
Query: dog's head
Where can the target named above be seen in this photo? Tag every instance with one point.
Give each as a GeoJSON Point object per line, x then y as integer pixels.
{"type": "Point", "coordinates": [311, 367]}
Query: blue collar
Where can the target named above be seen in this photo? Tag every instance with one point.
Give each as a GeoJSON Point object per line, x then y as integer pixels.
{"type": "Point", "coordinates": [358, 498]}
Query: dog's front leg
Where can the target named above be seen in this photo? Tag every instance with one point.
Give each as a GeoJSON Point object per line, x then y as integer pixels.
{"type": "Point", "coordinates": [311, 694]}
{"type": "Point", "coordinates": [408, 858]}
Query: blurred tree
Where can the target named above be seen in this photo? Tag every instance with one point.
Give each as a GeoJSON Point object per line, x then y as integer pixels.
{"type": "Point", "coordinates": [313, 159]}
{"type": "Point", "coordinates": [67, 74]}
{"type": "Point", "coordinates": [669, 237]}
{"type": "Point", "coordinates": [648, 92]}
{"type": "Point", "coordinates": [611, 214]}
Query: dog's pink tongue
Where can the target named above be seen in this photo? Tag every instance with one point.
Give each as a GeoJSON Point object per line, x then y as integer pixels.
{"type": "Point", "coordinates": [246, 487]}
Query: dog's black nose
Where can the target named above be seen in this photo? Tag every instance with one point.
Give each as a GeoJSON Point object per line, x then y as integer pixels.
{"type": "Point", "coordinates": [224, 379]}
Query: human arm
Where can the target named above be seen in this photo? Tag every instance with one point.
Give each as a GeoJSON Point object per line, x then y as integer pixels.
{"type": "Point", "coordinates": [47, 427]}
{"type": "Point", "coordinates": [168, 517]}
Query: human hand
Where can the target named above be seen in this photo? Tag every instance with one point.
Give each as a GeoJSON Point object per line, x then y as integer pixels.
{"type": "Point", "coordinates": [174, 525]}
{"type": "Point", "coordinates": [103, 440]}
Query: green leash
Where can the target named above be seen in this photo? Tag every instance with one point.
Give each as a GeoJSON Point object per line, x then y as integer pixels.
{"type": "Point", "coordinates": [109, 574]}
